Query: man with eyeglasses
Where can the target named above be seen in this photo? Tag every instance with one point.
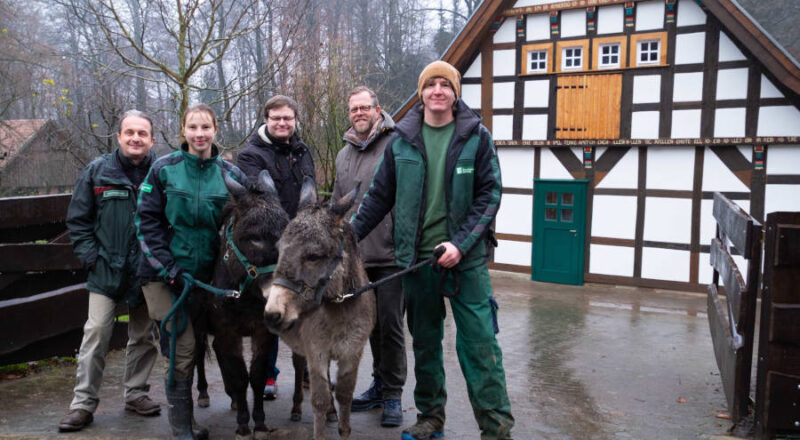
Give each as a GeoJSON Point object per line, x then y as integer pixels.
{"type": "Point", "coordinates": [275, 147]}
{"type": "Point", "coordinates": [364, 144]}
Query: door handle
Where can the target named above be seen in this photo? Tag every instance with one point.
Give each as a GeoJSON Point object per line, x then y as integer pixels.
{"type": "Point", "coordinates": [573, 231]}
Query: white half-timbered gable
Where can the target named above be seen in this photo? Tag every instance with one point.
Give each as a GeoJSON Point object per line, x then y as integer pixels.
{"type": "Point", "coordinates": [616, 121]}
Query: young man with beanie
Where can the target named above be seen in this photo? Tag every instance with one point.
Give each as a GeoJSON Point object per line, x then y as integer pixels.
{"type": "Point", "coordinates": [100, 223]}
{"type": "Point", "coordinates": [441, 175]}
{"type": "Point", "coordinates": [365, 141]}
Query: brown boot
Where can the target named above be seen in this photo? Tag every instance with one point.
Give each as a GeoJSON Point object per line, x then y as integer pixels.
{"type": "Point", "coordinates": [143, 406]}
{"type": "Point", "coordinates": [75, 420]}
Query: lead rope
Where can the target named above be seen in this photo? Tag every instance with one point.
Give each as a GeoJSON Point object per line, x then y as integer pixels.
{"type": "Point", "coordinates": [180, 316]}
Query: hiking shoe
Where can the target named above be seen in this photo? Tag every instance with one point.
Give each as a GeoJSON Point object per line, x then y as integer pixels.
{"type": "Point", "coordinates": [372, 398]}
{"type": "Point", "coordinates": [425, 429]}
{"type": "Point", "coordinates": [392, 413]}
{"type": "Point", "coordinates": [143, 406]}
{"type": "Point", "coordinates": [270, 389]}
{"type": "Point", "coordinates": [75, 420]}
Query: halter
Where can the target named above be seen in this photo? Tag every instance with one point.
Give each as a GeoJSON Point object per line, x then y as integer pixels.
{"type": "Point", "coordinates": [304, 290]}
{"type": "Point", "coordinates": [252, 270]}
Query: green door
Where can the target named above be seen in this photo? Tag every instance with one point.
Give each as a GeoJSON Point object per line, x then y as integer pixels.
{"type": "Point", "coordinates": [559, 227]}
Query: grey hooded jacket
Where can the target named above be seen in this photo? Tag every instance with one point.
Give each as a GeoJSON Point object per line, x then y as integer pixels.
{"type": "Point", "coordinates": [357, 162]}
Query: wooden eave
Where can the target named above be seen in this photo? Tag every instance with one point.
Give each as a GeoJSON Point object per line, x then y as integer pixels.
{"type": "Point", "coordinates": [760, 45]}
{"type": "Point", "coordinates": [467, 42]}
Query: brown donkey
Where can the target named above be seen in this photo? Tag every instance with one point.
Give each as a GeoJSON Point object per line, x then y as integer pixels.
{"type": "Point", "coordinates": [318, 264]}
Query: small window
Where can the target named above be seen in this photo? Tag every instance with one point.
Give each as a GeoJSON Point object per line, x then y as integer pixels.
{"type": "Point", "coordinates": [609, 56]}
{"type": "Point", "coordinates": [537, 61]}
{"type": "Point", "coordinates": [551, 198]}
{"type": "Point", "coordinates": [550, 214]}
{"type": "Point", "coordinates": [572, 58]}
{"type": "Point", "coordinates": [566, 199]}
{"type": "Point", "coordinates": [566, 215]}
{"type": "Point", "coordinates": [648, 52]}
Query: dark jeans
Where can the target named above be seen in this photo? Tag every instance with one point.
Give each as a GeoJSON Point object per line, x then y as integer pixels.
{"type": "Point", "coordinates": [387, 340]}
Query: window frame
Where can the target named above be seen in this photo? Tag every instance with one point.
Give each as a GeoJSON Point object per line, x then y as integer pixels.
{"type": "Point", "coordinates": [539, 47]}
{"type": "Point", "coordinates": [635, 42]}
{"type": "Point", "coordinates": [649, 51]}
{"type": "Point", "coordinates": [621, 40]}
{"type": "Point", "coordinates": [565, 58]}
{"type": "Point", "coordinates": [538, 62]}
{"type": "Point", "coordinates": [561, 47]}
{"type": "Point", "coordinates": [618, 55]}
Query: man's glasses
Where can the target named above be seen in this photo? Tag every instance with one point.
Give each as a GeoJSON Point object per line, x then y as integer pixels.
{"type": "Point", "coordinates": [281, 118]}
{"type": "Point", "coordinates": [363, 108]}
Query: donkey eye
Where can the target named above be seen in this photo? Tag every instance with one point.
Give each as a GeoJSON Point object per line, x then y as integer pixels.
{"type": "Point", "coordinates": [314, 257]}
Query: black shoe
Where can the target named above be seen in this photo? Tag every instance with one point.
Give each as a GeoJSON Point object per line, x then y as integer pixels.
{"type": "Point", "coordinates": [392, 413]}
{"type": "Point", "coordinates": [75, 420]}
{"type": "Point", "coordinates": [372, 398]}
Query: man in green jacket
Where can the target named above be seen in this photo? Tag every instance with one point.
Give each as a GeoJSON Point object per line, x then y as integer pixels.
{"type": "Point", "coordinates": [441, 175]}
{"type": "Point", "coordinates": [100, 223]}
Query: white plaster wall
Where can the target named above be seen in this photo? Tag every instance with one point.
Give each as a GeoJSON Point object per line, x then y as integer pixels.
{"type": "Point", "coordinates": [573, 23]}
{"type": "Point", "coordinates": [705, 272]}
{"type": "Point", "coordinates": [503, 95]}
{"type": "Point", "coordinates": [688, 87]}
{"type": "Point", "coordinates": [690, 14]}
{"type": "Point", "coordinates": [708, 225]}
{"type": "Point", "coordinates": [768, 90]}
{"type": "Point", "coordinates": [781, 120]}
{"type": "Point", "coordinates": [747, 151]}
{"type": "Point", "coordinates": [729, 122]}
{"type": "Point", "coordinates": [507, 33]}
{"type": "Point", "coordinates": [538, 27]}
{"type": "Point", "coordinates": [578, 152]}
{"type": "Point", "coordinates": [782, 198]}
{"type": "Point", "coordinates": [690, 48]}
{"type": "Point", "coordinates": [516, 167]}
{"type": "Point", "coordinates": [551, 168]}
{"type": "Point", "coordinates": [534, 127]}
{"type": "Point", "coordinates": [717, 176]}
{"type": "Point", "coordinates": [471, 94]}
{"type": "Point", "coordinates": [783, 159]}
{"type": "Point", "coordinates": [611, 260]}
{"type": "Point", "coordinates": [625, 173]}
{"type": "Point", "coordinates": [644, 125]}
{"type": "Point", "coordinates": [599, 152]}
{"type": "Point", "coordinates": [523, 3]}
{"type": "Point", "coordinates": [614, 216]}
{"type": "Point", "coordinates": [610, 19]}
{"type": "Point", "coordinates": [649, 15]}
{"type": "Point", "coordinates": [515, 215]}
{"type": "Point", "coordinates": [668, 220]}
{"type": "Point", "coordinates": [504, 62]}
{"type": "Point", "coordinates": [474, 70]}
{"type": "Point", "coordinates": [502, 127]}
{"type": "Point", "coordinates": [537, 93]}
{"type": "Point", "coordinates": [685, 124]}
{"type": "Point", "coordinates": [513, 252]}
{"type": "Point", "coordinates": [728, 50]}
{"type": "Point", "coordinates": [670, 168]}
{"type": "Point", "coordinates": [646, 88]}
{"type": "Point", "coordinates": [732, 84]}
{"type": "Point", "coordinates": [665, 264]}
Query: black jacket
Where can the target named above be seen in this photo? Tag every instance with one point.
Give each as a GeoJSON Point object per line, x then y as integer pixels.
{"type": "Point", "coordinates": [286, 163]}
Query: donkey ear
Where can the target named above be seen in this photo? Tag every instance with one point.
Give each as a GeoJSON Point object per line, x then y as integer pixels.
{"type": "Point", "coordinates": [265, 183]}
{"type": "Point", "coordinates": [234, 187]}
{"type": "Point", "coordinates": [341, 206]}
{"type": "Point", "coordinates": [308, 193]}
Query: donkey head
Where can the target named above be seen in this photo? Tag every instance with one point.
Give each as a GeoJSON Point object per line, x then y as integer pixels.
{"type": "Point", "coordinates": [255, 222]}
{"type": "Point", "coordinates": [317, 257]}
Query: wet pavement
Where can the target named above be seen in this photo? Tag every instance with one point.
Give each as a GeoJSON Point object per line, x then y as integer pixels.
{"type": "Point", "coordinates": [589, 362]}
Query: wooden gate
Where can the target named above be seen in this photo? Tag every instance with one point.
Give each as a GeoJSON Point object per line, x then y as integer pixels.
{"type": "Point", "coordinates": [778, 375]}
{"type": "Point", "coordinates": [588, 106]}
{"type": "Point", "coordinates": [732, 324]}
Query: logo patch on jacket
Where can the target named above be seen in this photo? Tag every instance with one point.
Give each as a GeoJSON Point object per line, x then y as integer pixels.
{"type": "Point", "coordinates": [465, 170]}
{"type": "Point", "coordinates": [115, 194]}
{"type": "Point", "coordinates": [146, 187]}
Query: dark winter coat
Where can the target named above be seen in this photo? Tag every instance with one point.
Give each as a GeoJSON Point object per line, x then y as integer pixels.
{"type": "Point", "coordinates": [356, 162]}
{"type": "Point", "coordinates": [472, 188]}
{"type": "Point", "coordinates": [101, 227]}
{"type": "Point", "coordinates": [286, 163]}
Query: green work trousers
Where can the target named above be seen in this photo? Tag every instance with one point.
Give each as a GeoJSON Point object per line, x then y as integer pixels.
{"type": "Point", "coordinates": [479, 354]}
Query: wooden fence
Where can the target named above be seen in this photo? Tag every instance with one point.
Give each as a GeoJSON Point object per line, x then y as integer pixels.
{"type": "Point", "coordinates": [43, 300]}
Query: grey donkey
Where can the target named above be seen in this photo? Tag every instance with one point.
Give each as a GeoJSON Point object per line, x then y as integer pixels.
{"type": "Point", "coordinates": [318, 264]}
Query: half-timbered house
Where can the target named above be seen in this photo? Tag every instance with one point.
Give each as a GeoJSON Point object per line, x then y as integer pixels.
{"type": "Point", "coordinates": [615, 121]}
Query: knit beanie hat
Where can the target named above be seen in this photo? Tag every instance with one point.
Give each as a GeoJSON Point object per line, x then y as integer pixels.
{"type": "Point", "coordinates": [444, 70]}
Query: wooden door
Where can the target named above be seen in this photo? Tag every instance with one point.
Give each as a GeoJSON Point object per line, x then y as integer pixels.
{"type": "Point", "coordinates": [588, 106]}
{"type": "Point", "coordinates": [559, 219]}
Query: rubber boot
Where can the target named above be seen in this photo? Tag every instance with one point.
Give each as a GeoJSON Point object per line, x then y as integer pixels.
{"type": "Point", "coordinates": [179, 408]}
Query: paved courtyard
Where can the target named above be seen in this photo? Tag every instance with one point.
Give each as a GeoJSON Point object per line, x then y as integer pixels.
{"type": "Point", "coordinates": [582, 362]}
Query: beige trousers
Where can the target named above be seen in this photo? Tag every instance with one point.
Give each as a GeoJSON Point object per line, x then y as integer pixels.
{"type": "Point", "coordinates": [159, 301]}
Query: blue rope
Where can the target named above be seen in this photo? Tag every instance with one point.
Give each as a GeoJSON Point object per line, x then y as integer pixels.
{"type": "Point", "coordinates": [180, 315]}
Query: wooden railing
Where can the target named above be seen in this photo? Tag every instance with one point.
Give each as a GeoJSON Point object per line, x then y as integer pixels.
{"type": "Point", "coordinates": [43, 300]}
